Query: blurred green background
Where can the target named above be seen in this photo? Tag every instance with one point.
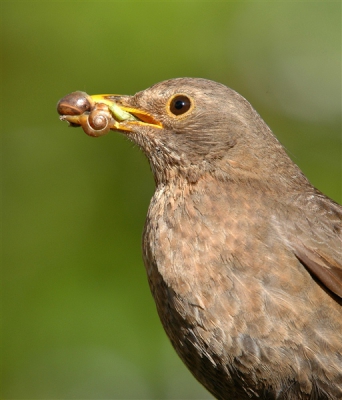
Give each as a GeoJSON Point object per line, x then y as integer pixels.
{"type": "Point", "coordinates": [78, 319]}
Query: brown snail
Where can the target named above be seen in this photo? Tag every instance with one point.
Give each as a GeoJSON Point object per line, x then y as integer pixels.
{"type": "Point", "coordinates": [79, 109]}
{"type": "Point", "coordinates": [75, 103]}
{"type": "Point", "coordinates": [98, 122]}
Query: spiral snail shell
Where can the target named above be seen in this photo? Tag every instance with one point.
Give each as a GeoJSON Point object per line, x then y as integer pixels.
{"type": "Point", "coordinates": [78, 108]}
{"type": "Point", "coordinates": [98, 122]}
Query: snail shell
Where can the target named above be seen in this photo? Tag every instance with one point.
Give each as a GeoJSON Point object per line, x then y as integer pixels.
{"type": "Point", "coordinates": [75, 103]}
{"type": "Point", "coordinates": [98, 122]}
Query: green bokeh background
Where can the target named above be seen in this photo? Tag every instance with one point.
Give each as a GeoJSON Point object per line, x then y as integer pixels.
{"type": "Point", "coordinates": [78, 320]}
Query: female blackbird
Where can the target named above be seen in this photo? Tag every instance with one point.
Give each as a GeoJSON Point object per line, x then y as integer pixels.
{"type": "Point", "coordinates": [243, 255]}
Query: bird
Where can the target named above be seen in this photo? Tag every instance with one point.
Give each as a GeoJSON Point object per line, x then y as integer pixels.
{"type": "Point", "coordinates": [243, 255]}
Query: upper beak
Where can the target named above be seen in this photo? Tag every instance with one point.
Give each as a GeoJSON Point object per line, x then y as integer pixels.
{"type": "Point", "coordinates": [98, 114]}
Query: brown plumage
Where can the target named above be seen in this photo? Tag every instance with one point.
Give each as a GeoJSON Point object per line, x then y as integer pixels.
{"type": "Point", "coordinates": [243, 255]}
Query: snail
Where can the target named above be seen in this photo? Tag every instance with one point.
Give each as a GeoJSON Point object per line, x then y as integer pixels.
{"type": "Point", "coordinates": [79, 109]}
{"type": "Point", "coordinates": [98, 122]}
{"type": "Point", "coordinates": [75, 103]}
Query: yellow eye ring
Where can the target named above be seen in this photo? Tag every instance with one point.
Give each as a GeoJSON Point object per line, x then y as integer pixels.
{"type": "Point", "coordinates": [179, 105]}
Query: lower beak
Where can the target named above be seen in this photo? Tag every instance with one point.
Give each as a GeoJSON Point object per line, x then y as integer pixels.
{"type": "Point", "coordinates": [98, 114]}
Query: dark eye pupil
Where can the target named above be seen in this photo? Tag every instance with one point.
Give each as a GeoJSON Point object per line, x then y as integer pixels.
{"type": "Point", "coordinates": [180, 105]}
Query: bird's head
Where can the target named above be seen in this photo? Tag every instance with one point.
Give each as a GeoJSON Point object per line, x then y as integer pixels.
{"type": "Point", "coordinates": [187, 127]}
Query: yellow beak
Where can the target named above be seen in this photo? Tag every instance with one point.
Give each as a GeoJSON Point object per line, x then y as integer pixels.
{"type": "Point", "coordinates": [98, 114]}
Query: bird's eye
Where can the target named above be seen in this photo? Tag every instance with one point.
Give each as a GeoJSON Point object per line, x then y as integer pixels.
{"type": "Point", "coordinates": [180, 104]}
